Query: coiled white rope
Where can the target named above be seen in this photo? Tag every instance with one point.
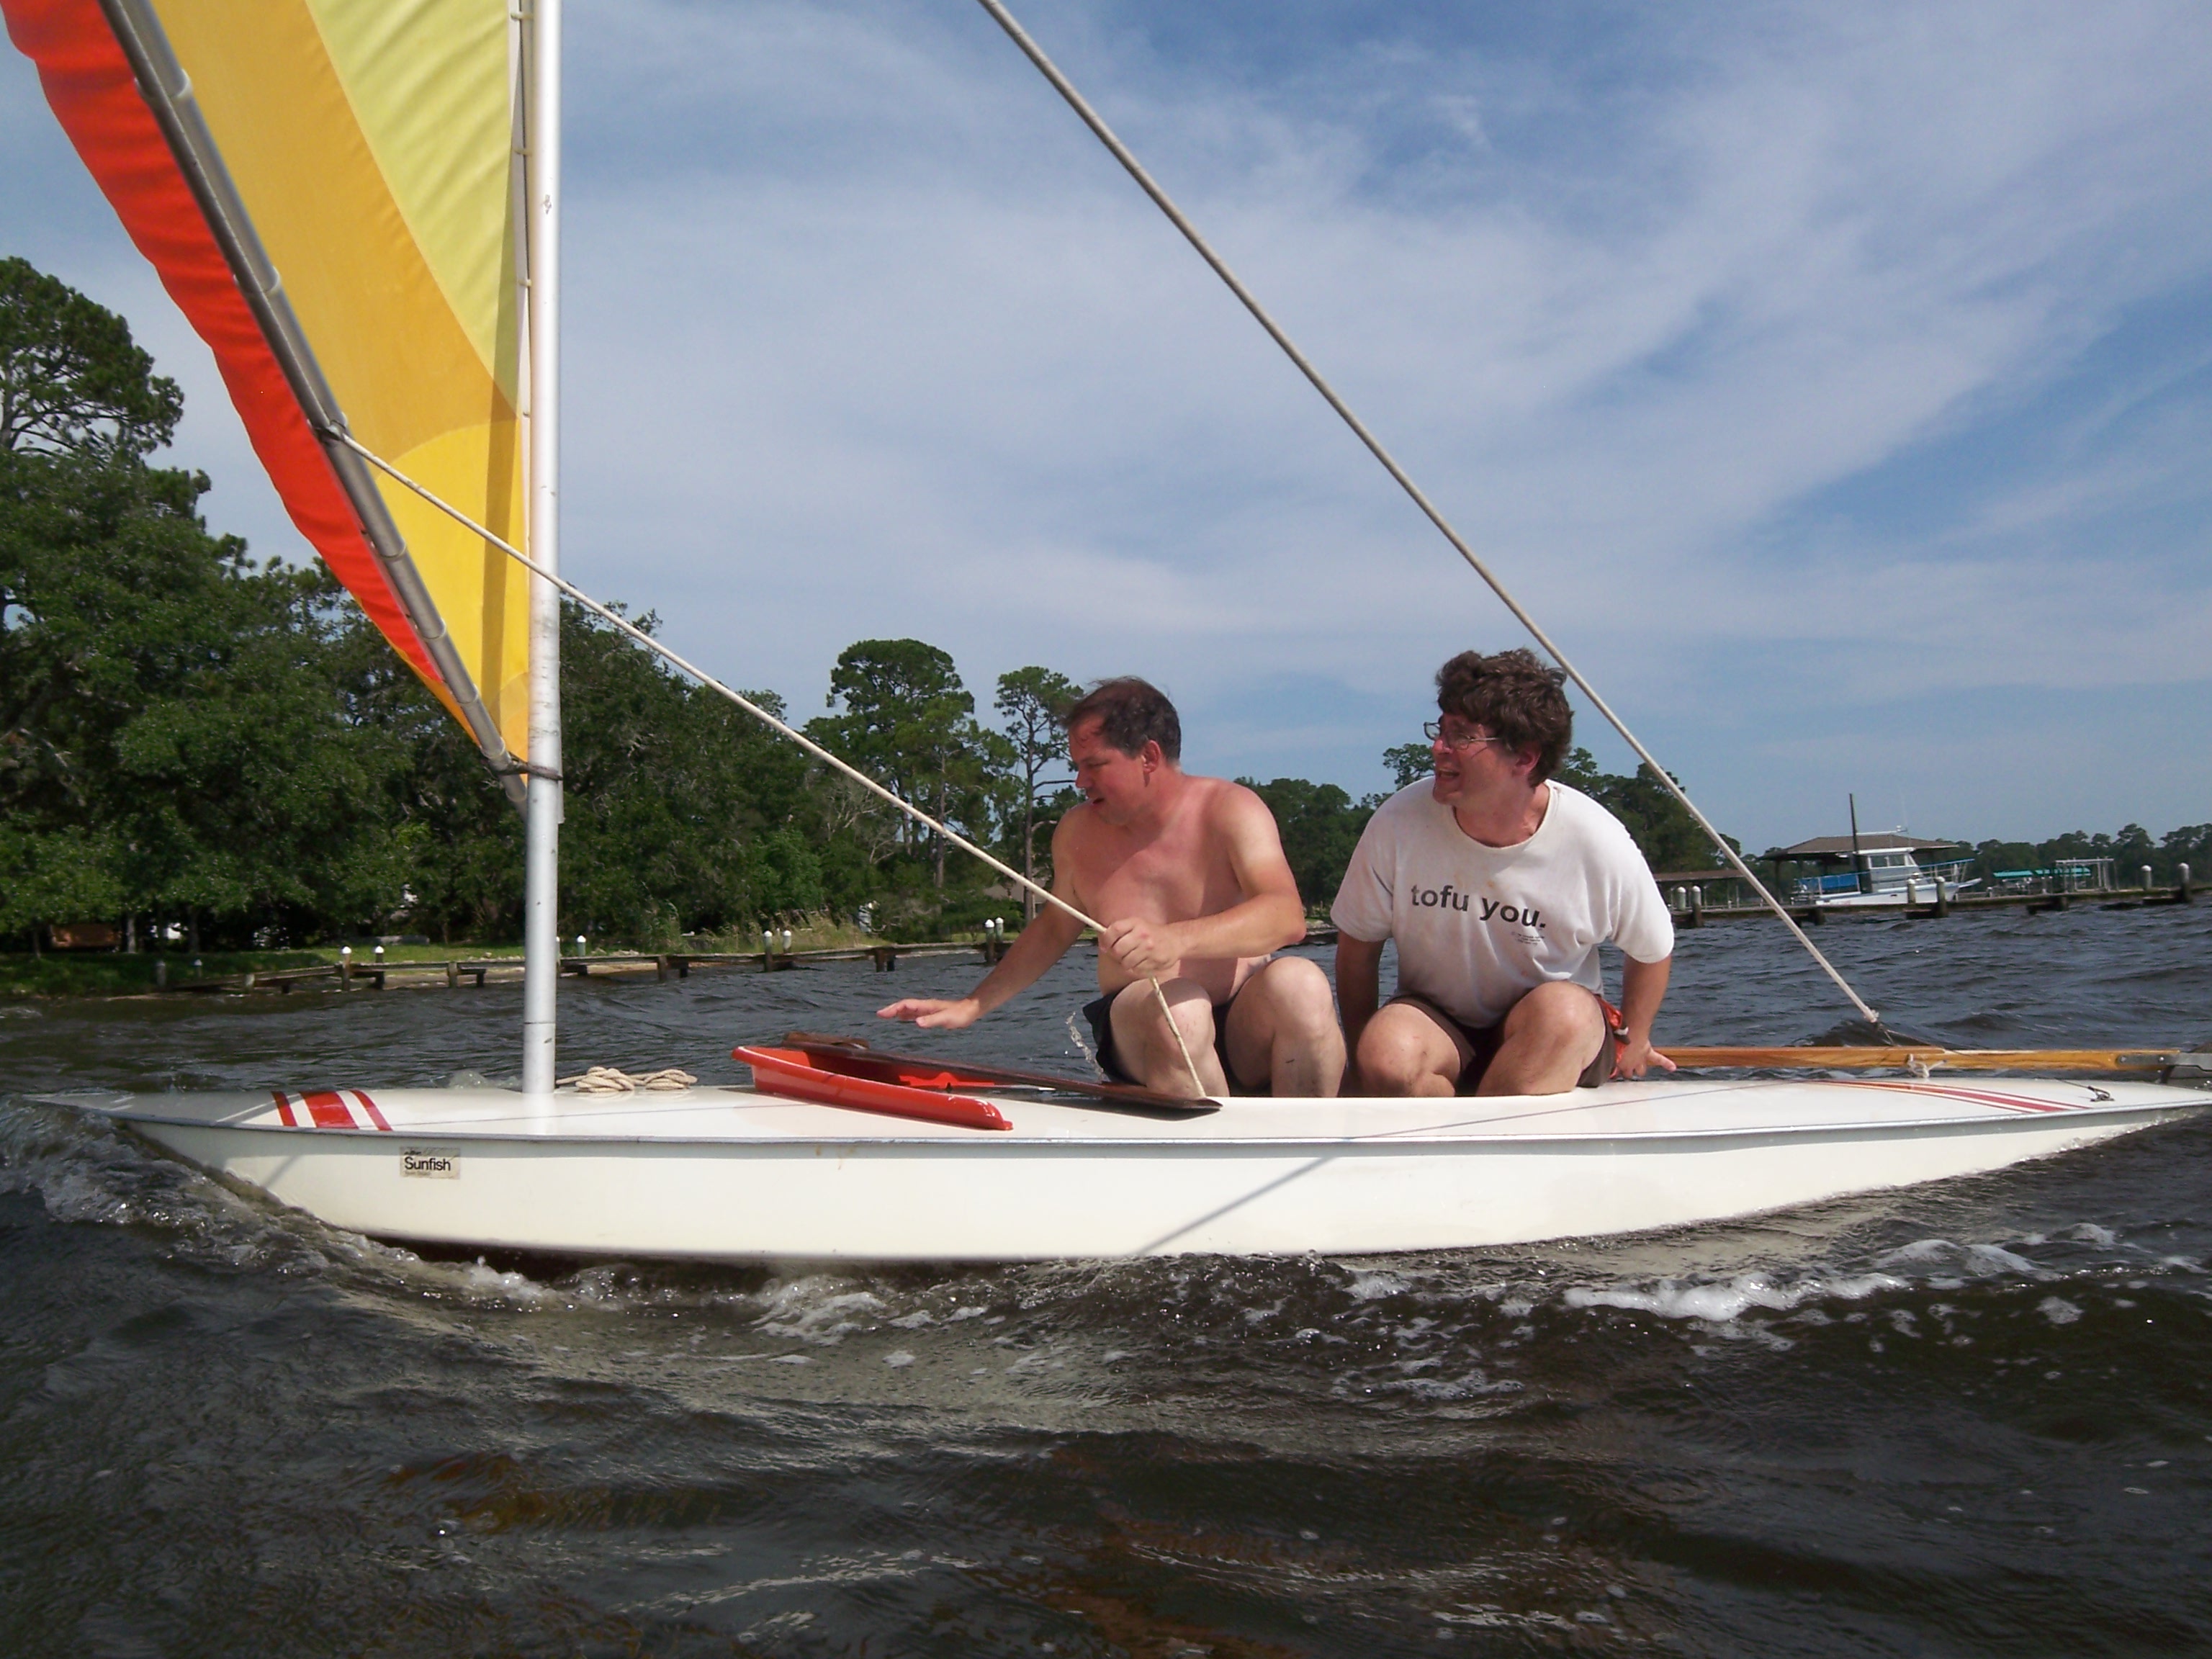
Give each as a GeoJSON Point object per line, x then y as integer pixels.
{"type": "Point", "coordinates": [608, 1080]}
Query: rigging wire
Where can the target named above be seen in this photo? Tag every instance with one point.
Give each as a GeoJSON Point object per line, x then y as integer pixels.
{"type": "Point", "coordinates": [1120, 152]}
{"type": "Point", "coordinates": [624, 625]}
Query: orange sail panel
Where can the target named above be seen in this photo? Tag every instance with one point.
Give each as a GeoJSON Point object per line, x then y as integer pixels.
{"type": "Point", "coordinates": [329, 190]}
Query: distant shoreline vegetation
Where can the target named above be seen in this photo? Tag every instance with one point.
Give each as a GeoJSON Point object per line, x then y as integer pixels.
{"type": "Point", "coordinates": [203, 751]}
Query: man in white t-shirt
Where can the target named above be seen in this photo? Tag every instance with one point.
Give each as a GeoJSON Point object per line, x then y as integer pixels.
{"type": "Point", "coordinates": [1498, 886]}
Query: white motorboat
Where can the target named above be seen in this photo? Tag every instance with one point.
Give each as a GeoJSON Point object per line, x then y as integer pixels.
{"type": "Point", "coordinates": [738, 1174]}
{"type": "Point", "coordinates": [1887, 879]}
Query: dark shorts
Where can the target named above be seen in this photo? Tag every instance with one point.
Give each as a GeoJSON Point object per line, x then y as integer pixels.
{"type": "Point", "coordinates": [1100, 1014]}
{"type": "Point", "coordinates": [1485, 1041]}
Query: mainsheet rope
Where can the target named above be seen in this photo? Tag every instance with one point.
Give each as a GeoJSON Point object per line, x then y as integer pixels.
{"type": "Point", "coordinates": [1145, 181]}
{"type": "Point", "coordinates": [634, 632]}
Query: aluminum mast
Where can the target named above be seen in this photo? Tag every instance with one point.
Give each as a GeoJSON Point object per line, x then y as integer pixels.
{"type": "Point", "coordinates": [541, 917]}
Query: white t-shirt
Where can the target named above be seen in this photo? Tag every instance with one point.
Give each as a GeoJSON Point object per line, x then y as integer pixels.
{"type": "Point", "coordinates": [1479, 927]}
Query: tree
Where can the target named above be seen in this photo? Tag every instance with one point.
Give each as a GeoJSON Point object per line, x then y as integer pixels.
{"type": "Point", "coordinates": [160, 698]}
{"type": "Point", "coordinates": [1664, 832]}
{"type": "Point", "coordinates": [1319, 826]}
{"type": "Point", "coordinates": [1033, 702]}
{"type": "Point", "coordinates": [72, 384]}
{"type": "Point", "coordinates": [682, 808]}
{"type": "Point", "coordinates": [910, 724]}
{"type": "Point", "coordinates": [1409, 762]}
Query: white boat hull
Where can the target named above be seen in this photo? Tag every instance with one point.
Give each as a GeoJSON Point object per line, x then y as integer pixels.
{"type": "Point", "coordinates": [731, 1175]}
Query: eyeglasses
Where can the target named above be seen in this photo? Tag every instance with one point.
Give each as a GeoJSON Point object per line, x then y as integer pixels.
{"type": "Point", "coordinates": [1458, 742]}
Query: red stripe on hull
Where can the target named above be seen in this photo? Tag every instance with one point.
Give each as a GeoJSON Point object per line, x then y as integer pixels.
{"type": "Point", "coordinates": [1955, 1092]}
{"type": "Point", "coordinates": [370, 1107]}
{"type": "Point", "coordinates": [284, 1109]}
{"type": "Point", "coordinates": [330, 1109]}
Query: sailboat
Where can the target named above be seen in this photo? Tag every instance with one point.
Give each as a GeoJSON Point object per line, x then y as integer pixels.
{"type": "Point", "coordinates": [357, 206]}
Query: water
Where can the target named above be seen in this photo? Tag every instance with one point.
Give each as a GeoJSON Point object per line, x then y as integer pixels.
{"type": "Point", "coordinates": [1971, 1418]}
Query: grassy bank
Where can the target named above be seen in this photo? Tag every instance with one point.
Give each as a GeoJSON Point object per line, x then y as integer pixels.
{"type": "Point", "coordinates": [111, 972]}
{"type": "Point", "coordinates": [108, 973]}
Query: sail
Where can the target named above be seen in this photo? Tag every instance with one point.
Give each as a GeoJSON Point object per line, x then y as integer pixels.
{"type": "Point", "coordinates": [329, 190]}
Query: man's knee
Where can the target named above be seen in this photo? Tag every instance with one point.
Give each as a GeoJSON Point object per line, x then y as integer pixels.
{"type": "Point", "coordinates": [1192, 1012]}
{"type": "Point", "coordinates": [1297, 995]}
{"type": "Point", "coordinates": [1394, 1054]}
{"type": "Point", "coordinates": [1558, 1011]}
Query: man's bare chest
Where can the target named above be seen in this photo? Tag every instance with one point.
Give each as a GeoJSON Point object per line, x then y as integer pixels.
{"type": "Point", "coordinates": [1171, 878]}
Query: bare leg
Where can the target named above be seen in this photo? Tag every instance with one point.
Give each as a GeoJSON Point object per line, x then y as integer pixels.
{"type": "Point", "coordinates": [1408, 1048]}
{"type": "Point", "coordinates": [1552, 1034]}
{"type": "Point", "coordinates": [1147, 1048]}
{"type": "Point", "coordinates": [1283, 1027]}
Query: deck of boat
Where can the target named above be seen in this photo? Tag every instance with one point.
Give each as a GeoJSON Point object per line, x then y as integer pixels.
{"type": "Point", "coordinates": [1662, 1108]}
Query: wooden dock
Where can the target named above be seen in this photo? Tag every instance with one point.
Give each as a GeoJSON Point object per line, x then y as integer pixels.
{"type": "Point", "coordinates": [1696, 912]}
{"type": "Point", "coordinates": [354, 975]}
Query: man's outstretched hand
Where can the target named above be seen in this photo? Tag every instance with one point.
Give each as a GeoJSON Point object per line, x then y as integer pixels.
{"type": "Point", "coordinates": [934, 1014]}
{"type": "Point", "coordinates": [1638, 1056]}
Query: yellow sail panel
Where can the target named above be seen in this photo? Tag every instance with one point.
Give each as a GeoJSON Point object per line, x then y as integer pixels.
{"type": "Point", "coordinates": [371, 143]}
{"type": "Point", "coordinates": [444, 144]}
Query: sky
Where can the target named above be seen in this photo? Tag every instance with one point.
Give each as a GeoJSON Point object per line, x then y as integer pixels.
{"type": "Point", "coordinates": [1834, 384]}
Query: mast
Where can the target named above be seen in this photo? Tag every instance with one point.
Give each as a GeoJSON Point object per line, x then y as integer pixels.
{"type": "Point", "coordinates": [541, 918]}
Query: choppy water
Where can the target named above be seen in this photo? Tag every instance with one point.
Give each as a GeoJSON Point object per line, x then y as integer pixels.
{"type": "Point", "coordinates": [1972, 1418]}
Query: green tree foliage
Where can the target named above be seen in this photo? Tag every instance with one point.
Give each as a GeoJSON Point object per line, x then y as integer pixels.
{"type": "Point", "coordinates": [683, 811]}
{"type": "Point", "coordinates": [909, 722]}
{"type": "Point", "coordinates": [1409, 762]}
{"type": "Point", "coordinates": [73, 385]}
{"type": "Point", "coordinates": [1032, 702]}
{"type": "Point", "coordinates": [1661, 827]}
{"type": "Point", "coordinates": [1320, 825]}
{"type": "Point", "coordinates": [169, 731]}
{"type": "Point", "coordinates": [2130, 850]}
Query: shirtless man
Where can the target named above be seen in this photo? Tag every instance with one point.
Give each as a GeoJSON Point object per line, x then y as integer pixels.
{"type": "Point", "coordinates": [1498, 884]}
{"type": "Point", "coordinates": [1187, 876]}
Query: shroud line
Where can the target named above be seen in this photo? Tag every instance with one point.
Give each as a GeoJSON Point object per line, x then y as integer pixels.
{"type": "Point", "coordinates": [1145, 181]}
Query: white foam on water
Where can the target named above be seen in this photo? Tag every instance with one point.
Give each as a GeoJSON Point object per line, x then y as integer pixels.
{"type": "Point", "coordinates": [1724, 1303]}
{"type": "Point", "coordinates": [2057, 1311]}
{"type": "Point", "coordinates": [818, 1309]}
{"type": "Point", "coordinates": [491, 1283]}
{"type": "Point", "coordinates": [1961, 1262]}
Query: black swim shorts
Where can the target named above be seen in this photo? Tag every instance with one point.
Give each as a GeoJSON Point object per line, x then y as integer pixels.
{"type": "Point", "coordinates": [1100, 1014]}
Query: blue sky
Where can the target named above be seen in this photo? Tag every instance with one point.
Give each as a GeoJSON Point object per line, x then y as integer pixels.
{"type": "Point", "coordinates": [1835, 383]}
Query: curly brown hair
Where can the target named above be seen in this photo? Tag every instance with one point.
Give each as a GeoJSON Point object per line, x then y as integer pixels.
{"type": "Point", "coordinates": [1521, 701]}
{"type": "Point", "coordinates": [1131, 712]}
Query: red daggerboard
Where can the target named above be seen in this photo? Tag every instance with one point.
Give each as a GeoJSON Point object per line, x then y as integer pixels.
{"type": "Point", "coordinates": [789, 1073]}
